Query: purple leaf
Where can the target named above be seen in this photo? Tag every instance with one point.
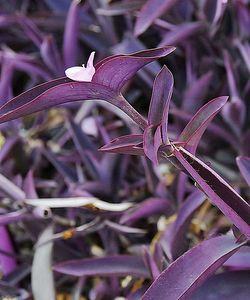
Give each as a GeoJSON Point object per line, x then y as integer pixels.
{"type": "Point", "coordinates": [7, 146]}
{"type": "Point", "coordinates": [119, 265]}
{"type": "Point", "coordinates": [70, 39]}
{"type": "Point", "coordinates": [151, 10]}
{"type": "Point", "coordinates": [190, 270]}
{"type": "Point", "coordinates": [10, 189]}
{"type": "Point", "coordinates": [214, 10]}
{"type": "Point", "coordinates": [120, 8]}
{"type": "Point", "coordinates": [64, 90]}
{"type": "Point", "coordinates": [31, 30]}
{"type": "Point", "coordinates": [124, 229]}
{"type": "Point", "coordinates": [51, 56]}
{"type": "Point", "coordinates": [219, 192]}
{"type": "Point", "coordinates": [229, 285]}
{"type": "Point", "coordinates": [13, 217]}
{"type": "Point", "coordinates": [196, 92]}
{"type": "Point", "coordinates": [67, 173]}
{"type": "Point", "coordinates": [148, 207]}
{"type": "Point", "coordinates": [245, 52]}
{"type": "Point", "coordinates": [160, 100]}
{"type": "Point", "coordinates": [240, 260]}
{"type": "Point", "coordinates": [174, 240]}
{"type": "Point", "coordinates": [244, 166]}
{"type": "Point", "coordinates": [7, 71]}
{"type": "Point", "coordinates": [43, 97]}
{"type": "Point", "coordinates": [230, 74]}
{"type": "Point", "coordinates": [152, 141]}
{"type": "Point", "coordinates": [151, 264]}
{"type": "Point", "coordinates": [161, 95]}
{"type": "Point", "coordinates": [115, 71]}
{"type": "Point", "coordinates": [181, 33]}
{"type": "Point", "coordinates": [84, 145]}
{"type": "Point", "coordinates": [126, 144]}
{"type": "Point", "coordinates": [234, 114]}
{"type": "Point", "coordinates": [29, 186]}
{"type": "Point", "coordinates": [194, 130]}
{"type": "Point", "coordinates": [8, 263]}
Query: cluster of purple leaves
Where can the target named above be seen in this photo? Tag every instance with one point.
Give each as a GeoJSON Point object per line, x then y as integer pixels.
{"type": "Point", "coordinates": [154, 219]}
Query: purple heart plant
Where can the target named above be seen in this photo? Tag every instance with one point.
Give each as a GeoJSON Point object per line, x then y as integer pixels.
{"type": "Point", "coordinates": [119, 197]}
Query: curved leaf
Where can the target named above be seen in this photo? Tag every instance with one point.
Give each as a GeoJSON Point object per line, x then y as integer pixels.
{"type": "Point", "coordinates": [174, 240]}
{"type": "Point", "coordinates": [145, 209]}
{"type": "Point", "coordinates": [151, 10]}
{"type": "Point", "coordinates": [229, 285]}
{"type": "Point", "coordinates": [194, 130]}
{"type": "Point", "coordinates": [190, 270]}
{"type": "Point", "coordinates": [70, 39]}
{"type": "Point", "coordinates": [34, 101]}
{"type": "Point", "coordinates": [152, 141]}
{"type": "Point", "coordinates": [219, 192]}
{"type": "Point", "coordinates": [117, 265]}
{"type": "Point", "coordinates": [115, 71]}
{"type": "Point", "coordinates": [196, 92]}
{"type": "Point", "coordinates": [244, 166]}
{"type": "Point", "coordinates": [160, 100]}
{"type": "Point", "coordinates": [240, 260]}
{"type": "Point", "coordinates": [126, 144]}
{"type": "Point", "coordinates": [181, 32]}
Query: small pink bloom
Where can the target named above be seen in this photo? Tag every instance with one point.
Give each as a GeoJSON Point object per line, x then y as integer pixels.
{"type": "Point", "coordinates": [82, 73]}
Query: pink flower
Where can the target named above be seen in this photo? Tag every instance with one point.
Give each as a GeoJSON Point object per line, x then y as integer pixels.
{"type": "Point", "coordinates": [82, 73]}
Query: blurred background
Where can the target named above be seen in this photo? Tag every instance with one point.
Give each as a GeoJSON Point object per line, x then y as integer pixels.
{"type": "Point", "coordinates": [54, 154]}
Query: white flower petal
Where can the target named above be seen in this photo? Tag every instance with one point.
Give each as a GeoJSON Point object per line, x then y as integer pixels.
{"type": "Point", "coordinates": [82, 73]}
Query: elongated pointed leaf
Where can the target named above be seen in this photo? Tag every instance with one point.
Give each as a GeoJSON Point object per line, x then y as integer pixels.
{"type": "Point", "coordinates": [190, 270]}
{"type": "Point", "coordinates": [51, 56]}
{"type": "Point", "coordinates": [10, 189]}
{"type": "Point", "coordinates": [194, 130]}
{"type": "Point", "coordinates": [123, 228]}
{"type": "Point", "coordinates": [160, 100]}
{"type": "Point", "coordinates": [196, 92]}
{"type": "Point", "coordinates": [244, 166]}
{"type": "Point", "coordinates": [219, 192]}
{"type": "Point", "coordinates": [115, 71]}
{"type": "Point", "coordinates": [174, 240]}
{"type": "Point", "coordinates": [67, 172]}
{"type": "Point", "coordinates": [84, 146]}
{"type": "Point", "coordinates": [148, 207]}
{"type": "Point", "coordinates": [126, 144]}
{"type": "Point", "coordinates": [214, 10]}
{"type": "Point", "coordinates": [70, 39]}
{"type": "Point", "coordinates": [62, 91]}
{"type": "Point", "coordinates": [152, 141]}
{"type": "Point", "coordinates": [119, 265]}
{"type": "Point", "coordinates": [13, 217]}
{"type": "Point", "coordinates": [31, 94]}
{"type": "Point", "coordinates": [181, 33]}
{"type": "Point", "coordinates": [120, 8]}
{"type": "Point", "coordinates": [234, 114]}
{"type": "Point", "coordinates": [8, 263]}
{"type": "Point", "coordinates": [31, 30]}
{"type": "Point", "coordinates": [151, 10]}
{"type": "Point", "coordinates": [240, 260]}
{"type": "Point", "coordinates": [7, 71]}
{"type": "Point", "coordinates": [105, 85]}
{"type": "Point", "coordinates": [229, 285]}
